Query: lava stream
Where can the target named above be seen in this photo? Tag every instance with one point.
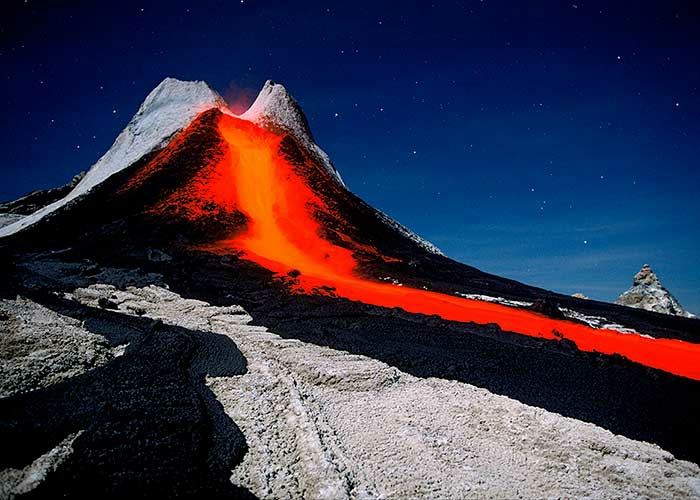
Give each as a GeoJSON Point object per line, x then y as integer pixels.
{"type": "Point", "coordinates": [283, 235]}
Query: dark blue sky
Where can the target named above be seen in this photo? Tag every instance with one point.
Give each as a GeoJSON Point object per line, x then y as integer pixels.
{"type": "Point", "coordinates": [557, 143]}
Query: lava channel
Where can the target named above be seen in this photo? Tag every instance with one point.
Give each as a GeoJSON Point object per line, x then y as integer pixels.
{"type": "Point", "coordinates": [282, 235]}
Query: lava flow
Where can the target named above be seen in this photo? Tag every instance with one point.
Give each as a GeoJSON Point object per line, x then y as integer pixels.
{"type": "Point", "coordinates": [282, 235]}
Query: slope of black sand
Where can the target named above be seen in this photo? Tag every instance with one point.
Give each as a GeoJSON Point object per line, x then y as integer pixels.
{"type": "Point", "coordinates": [348, 215]}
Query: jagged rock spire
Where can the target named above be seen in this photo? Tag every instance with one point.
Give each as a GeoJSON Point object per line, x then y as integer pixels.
{"type": "Point", "coordinates": [646, 276]}
{"type": "Point", "coordinates": [648, 293]}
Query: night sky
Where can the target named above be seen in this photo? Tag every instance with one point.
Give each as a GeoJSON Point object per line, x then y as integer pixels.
{"type": "Point", "coordinates": [554, 143]}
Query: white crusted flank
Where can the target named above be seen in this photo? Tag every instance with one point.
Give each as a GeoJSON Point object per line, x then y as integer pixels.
{"type": "Point", "coordinates": [168, 109]}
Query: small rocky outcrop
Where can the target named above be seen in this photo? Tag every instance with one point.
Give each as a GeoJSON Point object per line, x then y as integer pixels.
{"type": "Point", "coordinates": [35, 200]}
{"type": "Point", "coordinates": [648, 293]}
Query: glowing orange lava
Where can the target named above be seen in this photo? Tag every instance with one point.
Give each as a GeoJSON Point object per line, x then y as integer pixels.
{"type": "Point", "coordinates": [283, 235]}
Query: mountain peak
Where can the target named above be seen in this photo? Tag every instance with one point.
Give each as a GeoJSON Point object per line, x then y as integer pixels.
{"type": "Point", "coordinates": [189, 94]}
{"type": "Point", "coordinates": [646, 276]}
{"type": "Point", "coordinates": [648, 293]}
{"type": "Point", "coordinates": [167, 110]}
{"type": "Point", "coordinates": [275, 107]}
{"type": "Point", "coordinates": [276, 110]}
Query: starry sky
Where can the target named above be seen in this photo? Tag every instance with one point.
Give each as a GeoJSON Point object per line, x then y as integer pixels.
{"type": "Point", "coordinates": [556, 143]}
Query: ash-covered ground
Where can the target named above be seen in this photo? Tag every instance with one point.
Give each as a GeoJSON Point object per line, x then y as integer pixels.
{"type": "Point", "coordinates": [124, 376]}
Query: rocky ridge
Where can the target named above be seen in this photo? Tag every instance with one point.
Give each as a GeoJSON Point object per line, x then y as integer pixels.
{"type": "Point", "coordinates": [649, 294]}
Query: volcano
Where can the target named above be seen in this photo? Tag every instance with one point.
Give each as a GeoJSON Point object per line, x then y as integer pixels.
{"type": "Point", "coordinates": [196, 216]}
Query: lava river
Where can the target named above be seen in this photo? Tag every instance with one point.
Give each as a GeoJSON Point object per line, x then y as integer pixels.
{"type": "Point", "coordinates": [282, 235]}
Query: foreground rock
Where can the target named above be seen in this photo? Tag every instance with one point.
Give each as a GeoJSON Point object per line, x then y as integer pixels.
{"type": "Point", "coordinates": [120, 406]}
{"type": "Point", "coordinates": [322, 423]}
{"type": "Point", "coordinates": [648, 293]}
{"type": "Point", "coordinates": [39, 347]}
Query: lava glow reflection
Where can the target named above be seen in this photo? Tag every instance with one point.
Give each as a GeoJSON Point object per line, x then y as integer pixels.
{"type": "Point", "coordinates": [283, 235]}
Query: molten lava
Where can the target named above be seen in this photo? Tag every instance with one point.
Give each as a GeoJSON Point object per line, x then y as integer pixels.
{"type": "Point", "coordinates": [283, 235]}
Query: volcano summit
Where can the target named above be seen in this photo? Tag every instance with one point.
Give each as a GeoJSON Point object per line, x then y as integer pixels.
{"type": "Point", "coordinates": [211, 310]}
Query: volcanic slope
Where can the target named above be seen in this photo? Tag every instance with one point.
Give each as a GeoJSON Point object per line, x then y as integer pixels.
{"type": "Point", "coordinates": [248, 210]}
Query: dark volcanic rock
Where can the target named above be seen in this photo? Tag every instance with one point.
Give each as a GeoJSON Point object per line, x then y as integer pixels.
{"type": "Point", "coordinates": [547, 307]}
